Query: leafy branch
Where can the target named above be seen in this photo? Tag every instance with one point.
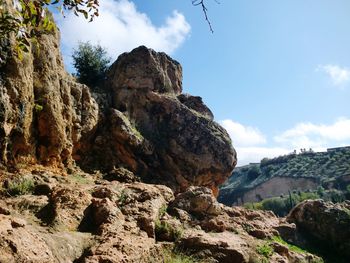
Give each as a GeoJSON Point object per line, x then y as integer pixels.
{"type": "Point", "coordinates": [28, 19]}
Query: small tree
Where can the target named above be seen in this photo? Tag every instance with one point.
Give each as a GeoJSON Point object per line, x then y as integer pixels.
{"type": "Point", "coordinates": [91, 63]}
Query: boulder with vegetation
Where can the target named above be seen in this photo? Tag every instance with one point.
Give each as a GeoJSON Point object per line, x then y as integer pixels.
{"type": "Point", "coordinates": [325, 224]}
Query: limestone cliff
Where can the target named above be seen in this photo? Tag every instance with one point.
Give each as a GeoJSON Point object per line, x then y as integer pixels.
{"type": "Point", "coordinates": [44, 112]}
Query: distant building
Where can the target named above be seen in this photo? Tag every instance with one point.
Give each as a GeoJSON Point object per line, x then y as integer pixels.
{"type": "Point", "coordinates": [338, 149]}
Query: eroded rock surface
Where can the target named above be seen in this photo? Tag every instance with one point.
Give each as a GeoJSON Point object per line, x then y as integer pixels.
{"type": "Point", "coordinates": [326, 222]}
{"type": "Point", "coordinates": [95, 220]}
{"type": "Point", "coordinates": [44, 112]}
{"type": "Point", "coordinates": [138, 120]}
{"type": "Point", "coordinates": [23, 241]}
{"type": "Point", "coordinates": [198, 200]}
{"type": "Point", "coordinates": [182, 144]}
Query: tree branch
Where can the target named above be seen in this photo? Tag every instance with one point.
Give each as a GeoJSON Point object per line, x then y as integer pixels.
{"type": "Point", "coordinates": [205, 11]}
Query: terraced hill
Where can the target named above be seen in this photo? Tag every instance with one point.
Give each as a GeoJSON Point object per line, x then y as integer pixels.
{"type": "Point", "coordinates": [306, 171]}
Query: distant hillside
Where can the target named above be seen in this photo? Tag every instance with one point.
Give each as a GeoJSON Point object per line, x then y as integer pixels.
{"type": "Point", "coordinates": [279, 176]}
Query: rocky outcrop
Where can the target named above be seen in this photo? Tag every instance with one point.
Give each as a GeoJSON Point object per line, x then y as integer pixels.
{"type": "Point", "coordinates": [224, 247]}
{"type": "Point", "coordinates": [44, 112]}
{"type": "Point", "coordinates": [24, 239]}
{"type": "Point", "coordinates": [157, 132]}
{"type": "Point", "coordinates": [85, 218]}
{"type": "Point", "coordinates": [137, 127]}
{"type": "Point", "coordinates": [324, 222]}
{"type": "Point", "coordinates": [139, 120]}
{"type": "Point", "coordinates": [197, 200]}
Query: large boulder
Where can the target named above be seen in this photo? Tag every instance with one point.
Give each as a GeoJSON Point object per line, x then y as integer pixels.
{"type": "Point", "coordinates": [224, 247]}
{"type": "Point", "coordinates": [325, 222]}
{"type": "Point", "coordinates": [180, 144]}
{"type": "Point", "coordinates": [198, 201]}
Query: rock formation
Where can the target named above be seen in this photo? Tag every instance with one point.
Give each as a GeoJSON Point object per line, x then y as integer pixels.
{"type": "Point", "coordinates": [324, 222]}
{"type": "Point", "coordinates": [84, 218]}
{"type": "Point", "coordinates": [172, 136]}
{"type": "Point", "coordinates": [139, 120]}
{"type": "Point", "coordinates": [138, 128]}
{"type": "Point", "coordinates": [44, 113]}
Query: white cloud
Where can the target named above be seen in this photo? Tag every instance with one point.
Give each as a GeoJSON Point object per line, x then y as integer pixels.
{"type": "Point", "coordinates": [247, 141]}
{"type": "Point", "coordinates": [306, 135]}
{"type": "Point", "coordinates": [121, 27]}
{"type": "Point", "coordinates": [339, 75]}
{"type": "Point", "coordinates": [243, 135]}
{"type": "Point", "coordinates": [252, 146]}
{"type": "Point", "coordinates": [247, 155]}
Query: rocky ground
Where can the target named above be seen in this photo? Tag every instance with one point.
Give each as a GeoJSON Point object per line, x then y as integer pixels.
{"type": "Point", "coordinates": [49, 217]}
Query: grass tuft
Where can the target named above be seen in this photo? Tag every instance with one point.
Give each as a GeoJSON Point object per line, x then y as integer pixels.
{"type": "Point", "coordinates": [162, 228]}
{"type": "Point", "coordinates": [265, 250]}
{"type": "Point", "coordinates": [19, 186]}
{"type": "Point", "coordinates": [176, 256]}
{"type": "Point", "coordinates": [290, 246]}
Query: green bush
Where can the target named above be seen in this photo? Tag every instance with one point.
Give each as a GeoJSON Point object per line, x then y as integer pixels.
{"type": "Point", "coordinates": [162, 211]}
{"type": "Point", "coordinates": [308, 195]}
{"type": "Point", "coordinates": [348, 188]}
{"type": "Point", "coordinates": [254, 206]}
{"type": "Point", "coordinates": [320, 191]}
{"type": "Point", "coordinates": [276, 204]}
{"type": "Point", "coordinates": [123, 198]}
{"type": "Point", "coordinates": [91, 63]}
{"type": "Point", "coordinates": [335, 196]}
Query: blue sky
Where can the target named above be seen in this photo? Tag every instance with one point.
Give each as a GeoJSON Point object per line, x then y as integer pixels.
{"type": "Point", "coordinates": [276, 74]}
